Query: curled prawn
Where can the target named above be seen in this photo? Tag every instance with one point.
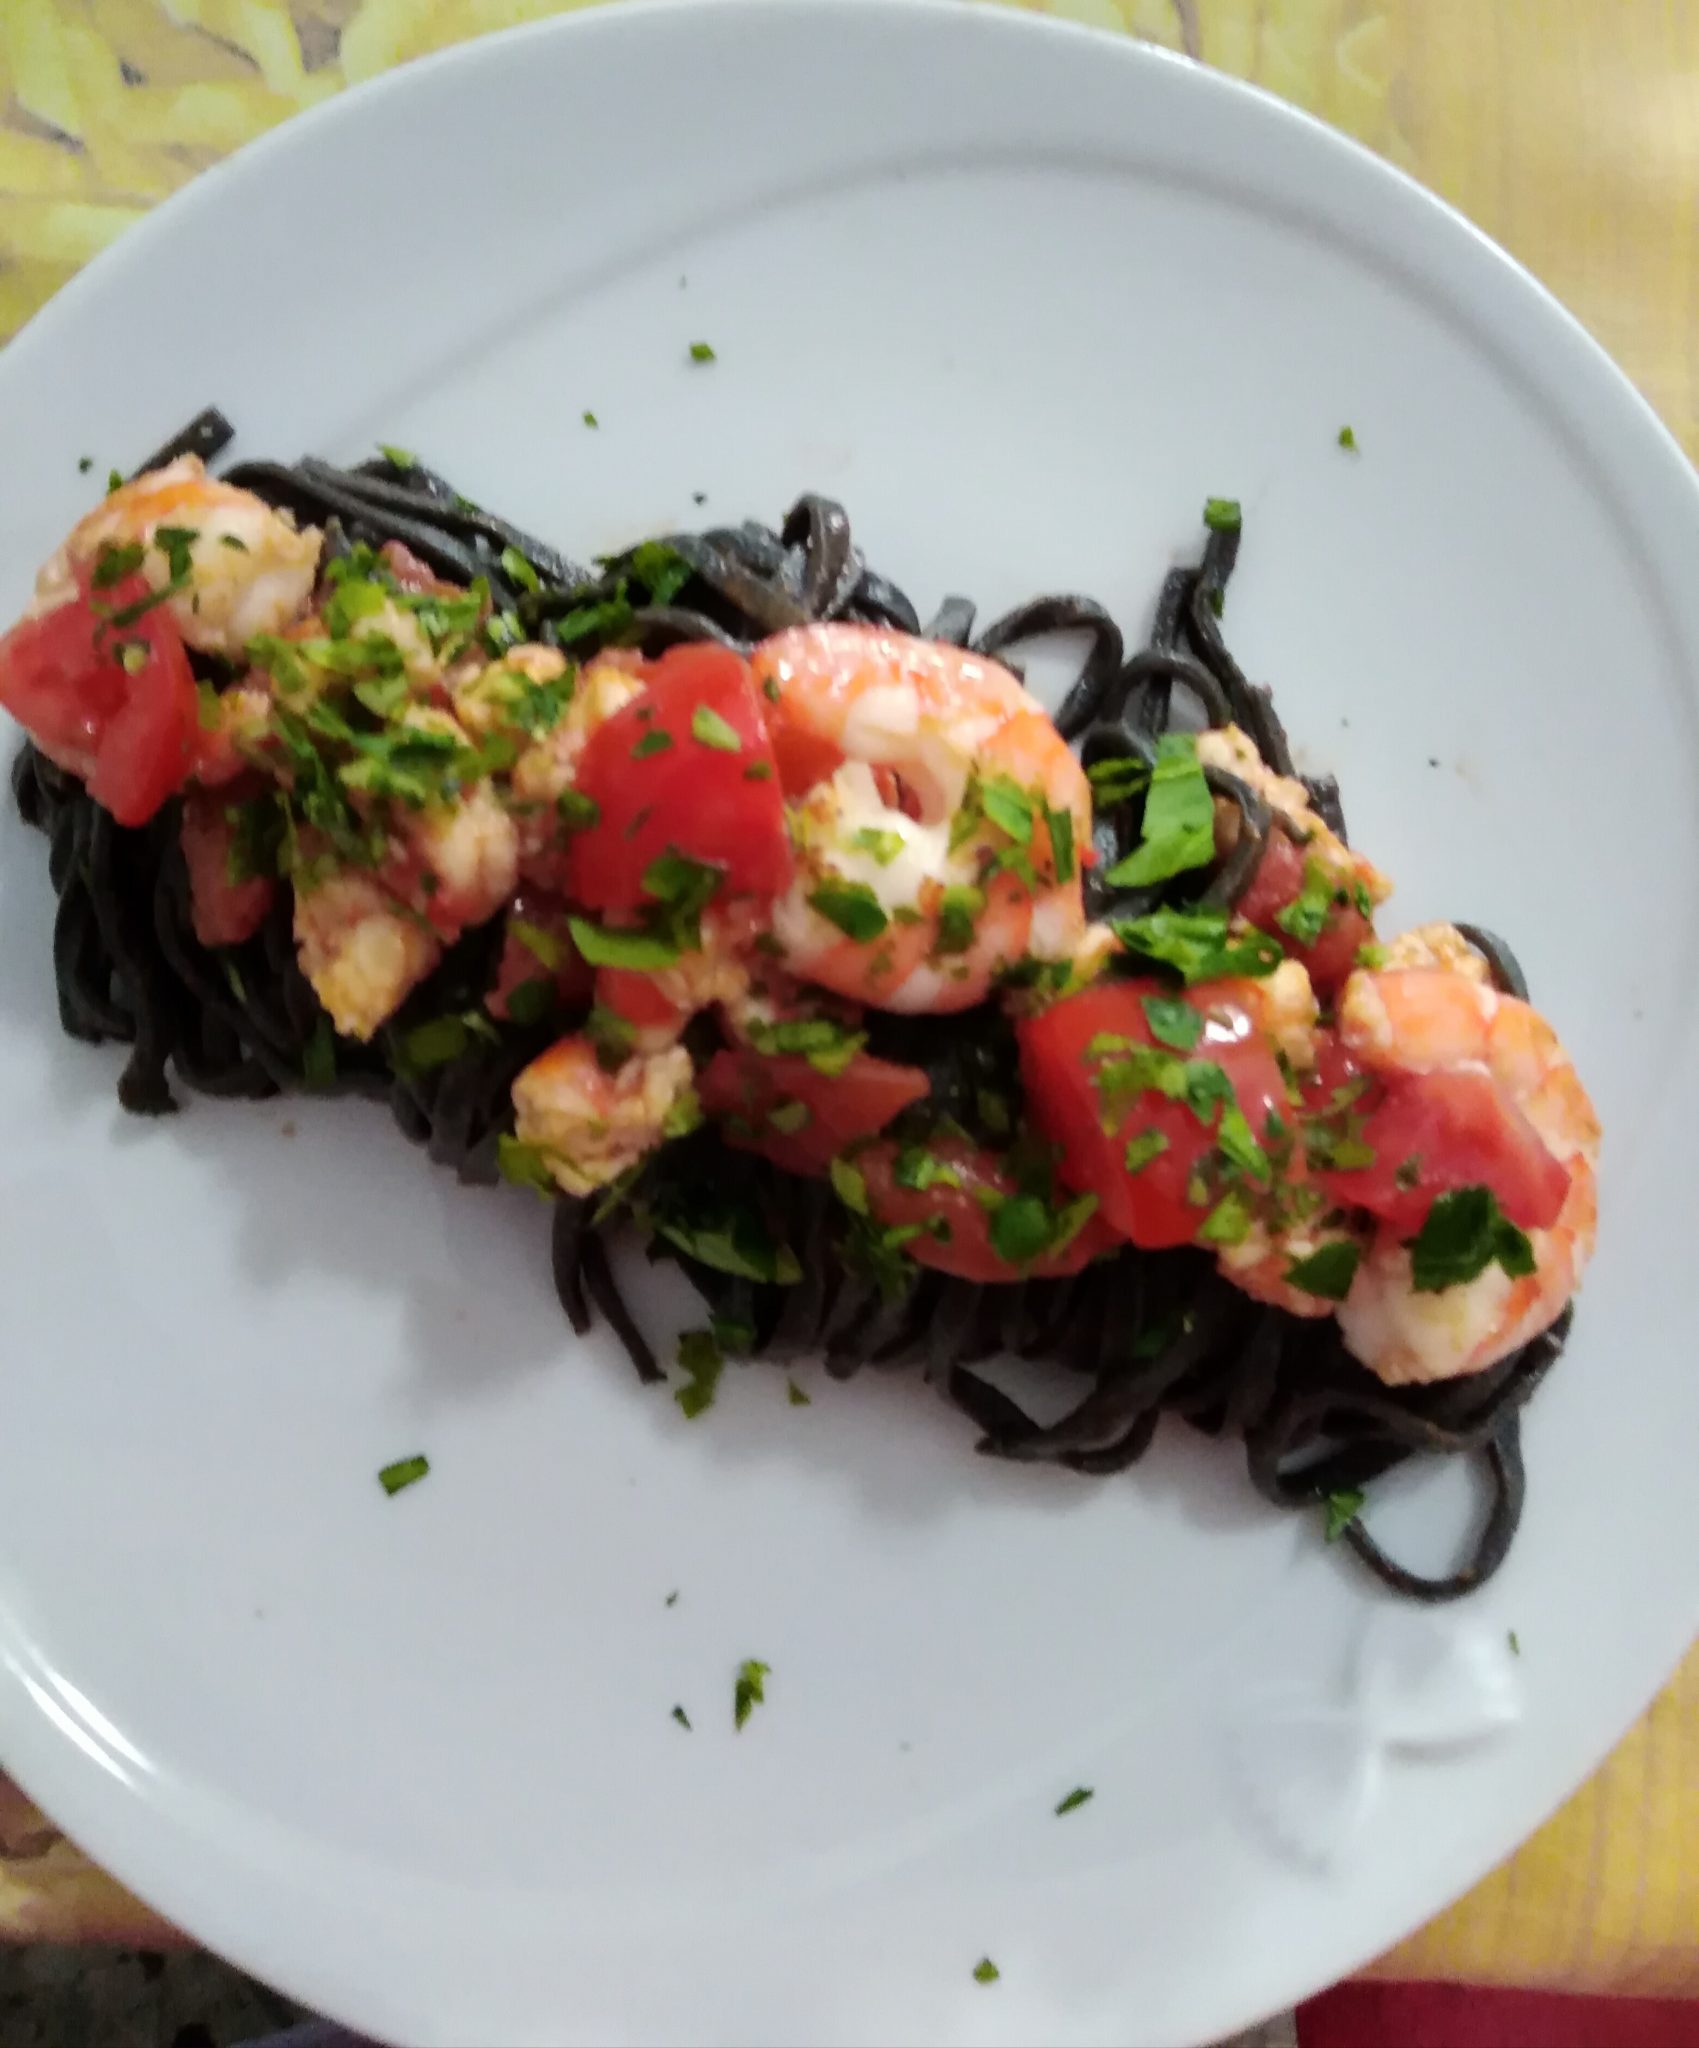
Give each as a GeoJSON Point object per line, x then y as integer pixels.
{"type": "Point", "coordinates": [1227, 747]}
{"type": "Point", "coordinates": [589, 1125]}
{"type": "Point", "coordinates": [250, 569]}
{"type": "Point", "coordinates": [938, 818]}
{"type": "Point", "coordinates": [1445, 1018]}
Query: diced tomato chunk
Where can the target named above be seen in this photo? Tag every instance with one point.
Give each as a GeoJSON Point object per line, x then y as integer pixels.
{"type": "Point", "coordinates": [1068, 1068]}
{"type": "Point", "coordinates": [1277, 883]}
{"type": "Point", "coordinates": [1430, 1134]}
{"type": "Point", "coordinates": [779, 1105]}
{"type": "Point", "coordinates": [224, 911]}
{"type": "Point", "coordinates": [114, 704]}
{"type": "Point", "coordinates": [954, 1214]}
{"type": "Point", "coordinates": [685, 768]}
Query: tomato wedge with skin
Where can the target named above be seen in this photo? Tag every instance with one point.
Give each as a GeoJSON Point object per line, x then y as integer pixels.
{"type": "Point", "coordinates": [224, 912]}
{"type": "Point", "coordinates": [131, 733]}
{"type": "Point", "coordinates": [685, 768]}
{"type": "Point", "coordinates": [1070, 1098]}
{"type": "Point", "coordinates": [954, 1213]}
{"type": "Point", "coordinates": [779, 1105]}
{"type": "Point", "coordinates": [1277, 883]}
{"type": "Point", "coordinates": [1430, 1134]}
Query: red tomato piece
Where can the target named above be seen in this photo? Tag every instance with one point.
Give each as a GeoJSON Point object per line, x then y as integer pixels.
{"type": "Point", "coordinates": [968, 1251]}
{"type": "Point", "coordinates": [686, 768]}
{"type": "Point", "coordinates": [1061, 1073]}
{"type": "Point", "coordinates": [131, 733]}
{"type": "Point", "coordinates": [223, 911]}
{"type": "Point", "coordinates": [1432, 1133]}
{"type": "Point", "coordinates": [1278, 882]}
{"type": "Point", "coordinates": [817, 1114]}
{"type": "Point", "coordinates": [639, 998]}
{"type": "Point", "coordinates": [543, 953]}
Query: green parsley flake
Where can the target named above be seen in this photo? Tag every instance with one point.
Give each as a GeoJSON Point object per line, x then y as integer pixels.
{"type": "Point", "coordinates": [1342, 1510]}
{"type": "Point", "coordinates": [1148, 1145]}
{"type": "Point", "coordinates": [656, 742]}
{"type": "Point", "coordinates": [590, 420]}
{"type": "Point", "coordinates": [849, 1184]}
{"type": "Point", "coordinates": [434, 1043]}
{"type": "Point", "coordinates": [1305, 917]}
{"type": "Point", "coordinates": [703, 1362]}
{"type": "Point", "coordinates": [608, 946]}
{"type": "Point", "coordinates": [84, 464]}
{"type": "Point", "coordinates": [1348, 438]}
{"type": "Point", "coordinates": [1008, 807]}
{"type": "Point", "coordinates": [1075, 1800]}
{"type": "Point", "coordinates": [519, 569]}
{"type": "Point", "coordinates": [679, 1715]}
{"type": "Point", "coordinates": [787, 1118]}
{"type": "Point", "coordinates": [542, 945]}
{"type": "Point", "coordinates": [1237, 1144]}
{"type": "Point", "coordinates": [398, 458]}
{"type": "Point", "coordinates": [729, 1236]}
{"type": "Point", "coordinates": [750, 1689]}
{"type": "Point", "coordinates": [1061, 828]}
{"type": "Point", "coordinates": [1515, 1645]}
{"type": "Point", "coordinates": [796, 1397]}
{"type": "Point", "coordinates": [852, 907]}
{"type": "Point", "coordinates": [578, 812]}
{"type": "Point", "coordinates": [1328, 1271]}
{"type": "Point", "coordinates": [404, 1472]}
{"type": "Point", "coordinates": [985, 1971]}
{"type": "Point", "coordinates": [1465, 1232]}
{"type": "Point", "coordinates": [702, 352]}
{"type": "Point", "coordinates": [1178, 831]}
{"type": "Point", "coordinates": [1222, 515]}
{"type": "Point", "coordinates": [708, 727]}
{"type": "Point", "coordinates": [1229, 1222]}
{"type": "Point", "coordinates": [1172, 1021]}
{"type": "Point", "coordinates": [959, 909]}
{"type": "Point", "coordinates": [1118, 779]}
{"type": "Point", "coordinates": [883, 845]}
{"type": "Point", "coordinates": [318, 1056]}
{"type": "Point", "coordinates": [1197, 945]}
{"type": "Point", "coordinates": [828, 1047]}
{"type": "Point", "coordinates": [526, 1166]}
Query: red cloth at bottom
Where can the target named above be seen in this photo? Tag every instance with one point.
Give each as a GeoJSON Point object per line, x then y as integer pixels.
{"type": "Point", "coordinates": [1462, 2016]}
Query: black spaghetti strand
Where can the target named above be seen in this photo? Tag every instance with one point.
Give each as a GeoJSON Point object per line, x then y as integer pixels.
{"type": "Point", "coordinates": [1135, 1337]}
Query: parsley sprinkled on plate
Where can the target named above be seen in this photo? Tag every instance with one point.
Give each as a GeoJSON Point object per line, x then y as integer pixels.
{"type": "Point", "coordinates": [1342, 1510]}
{"type": "Point", "coordinates": [681, 1717]}
{"type": "Point", "coordinates": [1075, 1799]}
{"type": "Point", "coordinates": [985, 1971]}
{"type": "Point", "coordinates": [404, 1472]}
{"type": "Point", "coordinates": [702, 352]}
{"type": "Point", "coordinates": [1348, 439]}
{"type": "Point", "coordinates": [590, 419]}
{"type": "Point", "coordinates": [750, 1690]}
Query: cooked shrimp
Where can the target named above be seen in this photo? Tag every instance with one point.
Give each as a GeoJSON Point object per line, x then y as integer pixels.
{"type": "Point", "coordinates": [658, 1003]}
{"type": "Point", "coordinates": [1228, 748]}
{"type": "Point", "coordinates": [1436, 945]}
{"type": "Point", "coordinates": [1424, 1020]}
{"type": "Point", "coordinates": [543, 773]}
{"type": "Point", "coordinates": [942, 822]}
{"type": "Point", "coordinates": [590, 1125]}
{"type": "Point", "coordinates": [251, 569]}
{"type": "Point", "coordinates": [360, 948]}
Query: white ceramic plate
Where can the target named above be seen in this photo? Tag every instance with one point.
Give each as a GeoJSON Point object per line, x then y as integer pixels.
{"type": "Point", "coordinates": [1022, 298]}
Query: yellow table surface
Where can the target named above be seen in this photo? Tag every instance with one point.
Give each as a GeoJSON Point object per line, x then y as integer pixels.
{"type": "Point", "coordinates": [1569, 129]}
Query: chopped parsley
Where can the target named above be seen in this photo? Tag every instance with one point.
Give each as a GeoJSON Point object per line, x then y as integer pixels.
{"type": "Point", "coordinates": [1515, 1645]}
{"type": "Point", "coordinates": [703, 1362]}
{"type": "Point", "coordinates": [917, 1169]}
{"type": "Point", "coordinates": [728, 1235]}
{"type": "Point", "coordinates": [611, 1037]}
{"type": "Point", "coordinates": [1328, 1271]}
{"type": "Point", "coordinates": [115, 563]}
{"type": "Point", "coordinates": [1075, 1800]}
{"type": "Point", "coordinates": [702, 352]}
{"type": "Point", "coordinates": [1237, 1144]}
{"type": "Point", "coordinates": [711, 730]}
{"type": "Point", "coordinates": [439, 1040]}
{"type": "Point", "coordinates": [679, 1715]}
{"type": "Point", "coordinates": [1178, 831]}
{"type": "Point", "coordinates": [1342, 1509]}
{"type": "Point", "coordinates": [958, 910]}
{"type": "Point", "coordinates": [1008, 807]}
{"type": "Point", "coordinates": [318, 1056]}
{"type": "Point", "coordinates": [828, 1046]}
{"type": "Point", "coordinates": [543, 946]}
{"type": "Point", "coordinates": [612, 946]}
{"type": "Point", "coordinates": [1305, 917]}
{"type": "Point", "coordinates": [1229, 1222]}
{"type": "Point", "coordinates": [985, 1971]}
{"type": "Point", "coordinates": [849, 1184]}
{"type": "Point", "coordinates": [1223, 515]}
{"type": "Point", "coordinates": [578, 812]}
{"type": "Point", "coordinates": [1148, 1145]}
{"type": "Point", "coordinates": [883, 845]}
{"type": "Point", "coordinates": [795, 1396]}
{"type": "Point", "coordinates": [1060, 825]}
{"type": "Point", "coordinates": [1117, 779]}
{"type": "Point", "coordinates": [1172, 1021]}
{"type": "Point", "coordinates": [1348, 438]}
{"type": "Point", "coordinates": [526, 1166]}
{"type": "Point", "coordinates": [656, 742]}
{"type": "Point", "coordinates": [1465, 1232]}
{"type": "Point", "coordinates": [519, 569]}
{"type": "Point", "coordinates": [590, 419]}
{"type": "Point", "coordinates": [1026, 1227]}
{"type": "Point", "coordinates": [84, 464]}
{"type": "Point", "coordinates": [852, 907]}
{"type": "Point", "coordinates": [398, 458]}
{"type": "Point", "coordinates": [404, 1472]}
{"type": "Point", "coordinates": [750, 1690]}
{"type": "Point", "coordinates": [1196, 943]}
{"type": "Point", "coordinates": [787, 1118]}
{"type": "Point", "coordinates": [661, 570]}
